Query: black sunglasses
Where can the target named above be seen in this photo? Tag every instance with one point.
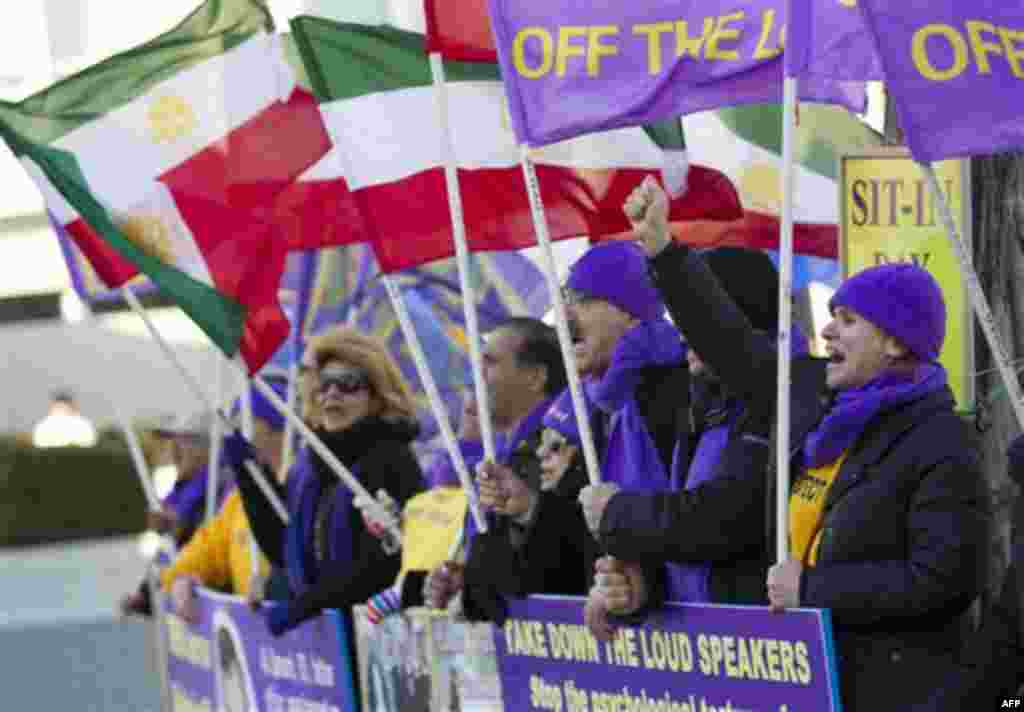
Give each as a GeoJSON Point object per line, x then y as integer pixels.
{"type": "Point", "coordinates": [348, 382]}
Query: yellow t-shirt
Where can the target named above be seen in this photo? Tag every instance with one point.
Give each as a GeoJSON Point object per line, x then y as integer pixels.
{"type": "Point", "coordinates": [806, 506]}
{"type": "Point", "coordinates": [219, 554]}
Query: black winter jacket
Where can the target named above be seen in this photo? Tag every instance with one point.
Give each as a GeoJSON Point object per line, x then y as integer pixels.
{"type": "Point", "coordinates": [904, 527]}
{"type": "Point", "coordinates": [379, 450]}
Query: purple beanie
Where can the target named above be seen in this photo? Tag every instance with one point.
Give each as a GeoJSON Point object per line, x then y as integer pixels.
{"type": "Point", "coordinates": [902, 300]}
{"type": "Point", "coordinates": [561, 419]}
{"type": "Point", "coordinates": [617, 273]}
{"type": "Point", "coordinates": [262, 408]}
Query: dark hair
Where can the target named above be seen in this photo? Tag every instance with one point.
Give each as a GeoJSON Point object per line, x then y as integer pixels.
{"type": "Point", "coordinates": [539, 347]}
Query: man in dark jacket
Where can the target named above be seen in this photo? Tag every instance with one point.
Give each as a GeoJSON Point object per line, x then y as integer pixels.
{"type": "Point", "coordinates": [523, 371]}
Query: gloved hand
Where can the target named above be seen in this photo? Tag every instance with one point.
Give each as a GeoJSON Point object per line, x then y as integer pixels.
{"type": "Point", "coordinates": [378, 518]}
{"type": "Point", "coordinates": [237, 450]}
{"type": "Point", "coordinates": [282, 617]}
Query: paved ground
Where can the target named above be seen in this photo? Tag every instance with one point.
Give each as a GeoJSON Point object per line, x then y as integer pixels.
{"type": "Point", "coordinates": [62, 646]}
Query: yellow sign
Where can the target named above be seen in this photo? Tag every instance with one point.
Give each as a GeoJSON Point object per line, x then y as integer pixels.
{"type": "Point", "coordinates": [888, 215]}
{"type": "Point", "coordinates": [431, 522]}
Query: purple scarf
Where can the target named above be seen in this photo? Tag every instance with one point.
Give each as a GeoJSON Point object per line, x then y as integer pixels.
{"type": "Point", "coordinates": [631, 458]}
{"type": "Point", "coordinates": [690, 583]}
{"type": "Point", "coordinates": [301, 564]}
{"type": "Point", "coordinates": [854, 408]}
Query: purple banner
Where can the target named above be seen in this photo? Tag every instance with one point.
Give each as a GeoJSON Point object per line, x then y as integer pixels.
{"type": "Point", "coordinates": [828, 39]}
{"type": "Point", "coordinates": [687, 658]}
{"type": "Point", "coordinates": [955, 70]}
{"type": "Point", "coordinates": [572, 68]}
{"type": "Point", "coordinates": [229, 662]}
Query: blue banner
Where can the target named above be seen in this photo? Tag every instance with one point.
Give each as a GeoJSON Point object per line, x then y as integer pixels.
{"type": "Point", "coordinates": [683, 658]}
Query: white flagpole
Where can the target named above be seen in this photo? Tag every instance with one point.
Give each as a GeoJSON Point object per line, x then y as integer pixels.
{"type": "Point", "coordinates": [785, 320]}
{"type": "Point", "coordinates": [202, 397]}
{"type": "Point", "coordinates": [436, 404]}
{"type": "Point", "coordinates": [451, 177]}
{"type": "Point", "coordinates": [977, 296]}
{"type": "Point", "coordinates": [579, 405]}
{"type": "Point", "coordinates": [216, 433]}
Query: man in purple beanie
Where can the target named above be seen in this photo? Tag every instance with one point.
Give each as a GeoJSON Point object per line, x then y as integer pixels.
{"type": "Point", "coordinates": [632, 361]}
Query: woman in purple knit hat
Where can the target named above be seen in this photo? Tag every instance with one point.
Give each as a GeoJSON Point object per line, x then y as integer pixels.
{"type": "Point", "coordinates": [888, 509]}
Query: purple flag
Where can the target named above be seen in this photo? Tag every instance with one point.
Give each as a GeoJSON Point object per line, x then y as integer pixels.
{"type": "Point", "coordinates": [572, 68]}
{"type": "Point", "coordinates": [828, 39]}
{"type": "Point", "coordinates": [956, 72]}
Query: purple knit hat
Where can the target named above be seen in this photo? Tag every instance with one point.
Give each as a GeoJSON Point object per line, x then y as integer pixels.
{"type": "Point", "coordinates": [561, 419]}
{"type": "Point", "coordinates": [262, 408]}
{"type": "Point", "coordinates": [617, 273]}
{"type": "Point", "coordinates": [902, 300]}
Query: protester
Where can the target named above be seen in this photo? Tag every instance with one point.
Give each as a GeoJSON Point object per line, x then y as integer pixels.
{"type": "Point", "coordinates": [220, 554]}
{"type": "Point", "coordinates": [366, 418]}
{"type": "Point", "coordinates": [632, 362]}
{"type": "Point", "coordinates": [725, 431]}
{"type": "Point", "coordinates": [992, 664]}
{"type": "Point", "coordinates": [562, 467]}
{"type": "Point", "coordinates": [183, 509]}
{"type": "Point", "coordinates": [531, 542]}
{"type": "Point", "coordinates": [432, 521]}
{"type": "Point", "coordinates": [185, 506]}
{"type": "Point", "coordinates": [887, 509]}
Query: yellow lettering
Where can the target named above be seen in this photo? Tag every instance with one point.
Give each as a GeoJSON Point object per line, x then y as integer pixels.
{"type": "Point", "coordinates": [767, 24]}
{"type": "Point", "coordinates": [743, 654]}
{"type": "Point", "coordinates": [653, 31]}
{"type": "Point", "coordinates": [565, 47]}
{"type": "Point", "coordinates": [596, 50]}
{"type": "Point", "coordinates": [982, 48]}
{"type": "Point", "coordinates": [547, 55]}
{"type": "Point", "coordinates": [771, 651]}
{"type": "Point", "coordinates": [723, 32]}
{"type": "Point", "coordinates": [686, 45]}
{"type": "Point", "coordinates": [1014, 50]}
{"type": "Point", "coordinates": [786, 654]}
{"type": "Point", "coordinates": [923, 64]}
{"type": "Point", "coordinates": [803, 665]}
{"type": "Point", "coordinates": [729, 650]}
{"type": "Point", "coordinates": [848, 3]}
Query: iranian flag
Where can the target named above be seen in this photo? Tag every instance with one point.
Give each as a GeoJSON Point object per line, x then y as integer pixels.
{"type": "Point", "coordinates": [380, 105]}
{"type": "Point", "coordinates": [745, 142]}
{"type": "Point", "coordinates": [168, 160]}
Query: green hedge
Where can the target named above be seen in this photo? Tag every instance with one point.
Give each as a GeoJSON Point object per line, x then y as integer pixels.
{"type": "Point", "coordinates": [63, 494]}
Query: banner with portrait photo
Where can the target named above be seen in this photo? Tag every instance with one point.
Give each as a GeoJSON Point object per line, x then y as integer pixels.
{"type": "Point", "coordinates": [229, 662]}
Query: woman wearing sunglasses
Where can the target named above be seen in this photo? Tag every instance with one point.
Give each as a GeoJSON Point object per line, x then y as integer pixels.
{"type": "Point", "coordinates": [363, 411]}
{"type": "Point", "coordinates": [562, 468]}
